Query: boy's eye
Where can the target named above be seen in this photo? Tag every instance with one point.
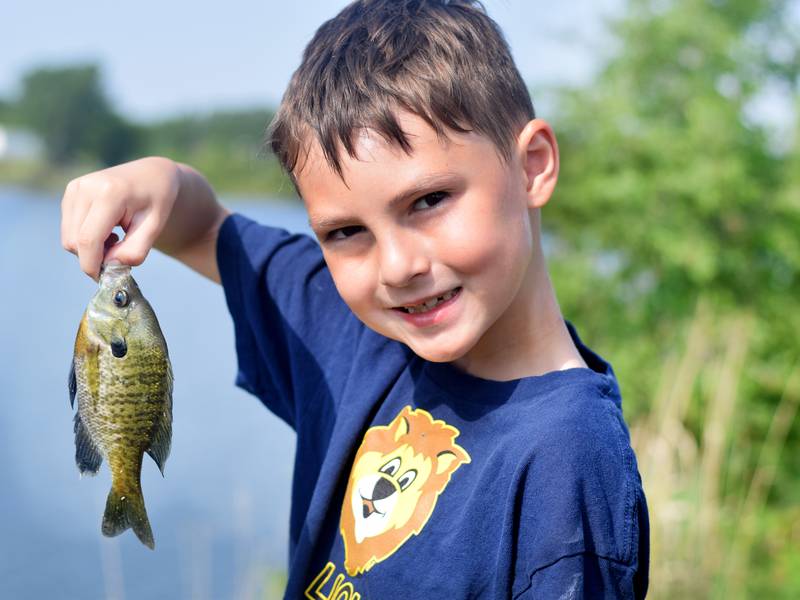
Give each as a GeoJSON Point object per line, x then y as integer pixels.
{"type": "Point", "coordinates": [429, 200]}
{"type": "Point", "coordinates": [344, 232]}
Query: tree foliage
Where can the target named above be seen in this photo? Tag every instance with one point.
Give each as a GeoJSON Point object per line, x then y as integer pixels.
{"type": "Point", "coordinates": [5, 110]}
{"type": "Point", "coordinates": [227, 146]}
{"type": "Point", "coordinates": [667, 179]}
{"type": "Point", "coordinates": [67, 107]}
{"type": "Point", "coordinates": [674, 191]}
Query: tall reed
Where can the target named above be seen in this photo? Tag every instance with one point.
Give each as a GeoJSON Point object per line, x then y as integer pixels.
{"type": "Point", "coordinates": [703, 528]}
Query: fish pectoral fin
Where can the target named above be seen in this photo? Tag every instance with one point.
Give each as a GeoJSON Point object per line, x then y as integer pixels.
{"type": "Point", "coordinates": [162, 440]}
{"type": "Point", "coordinates": [87, 457]}
{"type": "Point", "coordinates": [72, 384]}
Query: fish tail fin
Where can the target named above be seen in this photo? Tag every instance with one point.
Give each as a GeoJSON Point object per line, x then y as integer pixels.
{"type": "Point", "coordinates": [126, 511]}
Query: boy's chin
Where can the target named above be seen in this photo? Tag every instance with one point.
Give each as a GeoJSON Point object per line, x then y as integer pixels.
{"type": "Point", "coordinates": [446, 347]}
{"type": "Point", "coordinates": [439, 353]}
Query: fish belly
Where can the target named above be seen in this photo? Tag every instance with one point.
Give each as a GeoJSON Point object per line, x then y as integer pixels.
{"type": "Point", "coordinates": [122, 413]}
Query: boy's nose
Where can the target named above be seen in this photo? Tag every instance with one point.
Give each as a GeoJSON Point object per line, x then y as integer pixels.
{"type": "Point", "coordinates": [401, 259]}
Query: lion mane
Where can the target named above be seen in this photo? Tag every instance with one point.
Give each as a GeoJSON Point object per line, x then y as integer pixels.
{"type": "Point", "coordinates": [411, 461]}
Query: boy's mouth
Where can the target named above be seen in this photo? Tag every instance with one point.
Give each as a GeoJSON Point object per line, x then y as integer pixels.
{"type": "Point", "coordinates": [428, 304]}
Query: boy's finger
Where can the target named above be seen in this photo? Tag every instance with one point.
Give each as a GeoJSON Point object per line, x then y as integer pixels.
{"type": "Point", "coordinates": [80, 208]}
{"type": "Point", "coordinates": [94, 231]}
{"type": "Point", "coordinates": [139, 238]}
{"type": "Point", "coordinates": [68, 202]}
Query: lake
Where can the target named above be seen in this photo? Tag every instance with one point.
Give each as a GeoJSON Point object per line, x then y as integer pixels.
{"type": "Point", "coordinates": [219, 516]}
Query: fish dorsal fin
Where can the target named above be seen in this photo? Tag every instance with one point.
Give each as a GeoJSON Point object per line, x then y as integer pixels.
{"type": "Point", "coordinates": [87, 456]}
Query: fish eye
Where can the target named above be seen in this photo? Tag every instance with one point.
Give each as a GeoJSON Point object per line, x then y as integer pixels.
{"type": "Point", "coordinates": [407, 478]}
{"type": "Point", "coordinates": [391, 467]}
{"type": "Point", "coordinates": [121, 298]}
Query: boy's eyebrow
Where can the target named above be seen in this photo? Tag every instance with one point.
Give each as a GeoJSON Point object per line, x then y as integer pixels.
{"type": "Point", "coordinates": [426, 184]}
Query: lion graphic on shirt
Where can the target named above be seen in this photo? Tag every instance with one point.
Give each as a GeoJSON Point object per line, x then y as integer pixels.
{"type": "Point", "coordinates": [397, 476]}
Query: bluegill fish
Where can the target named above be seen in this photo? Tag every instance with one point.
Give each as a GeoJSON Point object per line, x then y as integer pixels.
{"type": "Point", "coordinates": [122, 378]}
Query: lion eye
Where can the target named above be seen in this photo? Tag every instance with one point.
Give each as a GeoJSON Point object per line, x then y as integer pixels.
{"type": "Point", "coordinates": [391, 467]}
{"type": "Point", "coordinates": [407, 478]}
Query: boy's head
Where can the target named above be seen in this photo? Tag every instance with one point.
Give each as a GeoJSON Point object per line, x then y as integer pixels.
{"type": "Point", "coordinates": [411, 138]}
{"type": "Point", "coordinates": [444, 61]}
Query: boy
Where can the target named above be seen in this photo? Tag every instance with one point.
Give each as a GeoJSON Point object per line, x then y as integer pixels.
{"type": "Point", "coordinates": [455, 439]}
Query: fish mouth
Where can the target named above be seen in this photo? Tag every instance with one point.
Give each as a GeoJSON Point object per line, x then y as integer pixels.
{"type": "Point", "coordinates": [113, 274]}
{"type": "Point", "coordinates": [114, 268]}
{"type": "Point", "coordinates": [428, 303]}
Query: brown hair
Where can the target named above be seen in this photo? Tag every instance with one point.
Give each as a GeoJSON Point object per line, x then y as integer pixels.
{"type": "Point", "coordinates": [445, 61]}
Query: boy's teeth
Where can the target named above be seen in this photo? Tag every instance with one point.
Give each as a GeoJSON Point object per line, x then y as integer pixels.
{"type": "Point", "coordinates": [425, 306]}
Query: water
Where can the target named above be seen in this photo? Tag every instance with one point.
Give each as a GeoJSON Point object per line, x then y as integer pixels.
{"type": "Point", "coordinates": [220, 516]}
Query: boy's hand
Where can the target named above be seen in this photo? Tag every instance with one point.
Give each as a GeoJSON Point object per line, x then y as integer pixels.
{"type": "Point", "coordinates": [156, 201]}
{"type": "Point", "coordinates": [138, 196]}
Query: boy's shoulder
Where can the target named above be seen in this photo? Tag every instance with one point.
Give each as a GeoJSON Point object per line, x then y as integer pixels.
{"type": "Point", "coordinates": [552, 454]}
{"type": "Point", "coordinates": [576, 479]}
{"type": "Point", "coordinates": [580, 489]}
{"type": "Point", "coordinates": [575, 420]}
{"type": "Point", "coordinates": [570, 437]}
{"type": "Point", "coordinates": [545, 411]}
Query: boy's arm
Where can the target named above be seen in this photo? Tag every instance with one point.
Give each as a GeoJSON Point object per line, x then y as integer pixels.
{"type": "Point", "coordinates": [156, 201]}
{"type": "Point", "coordinates": [190, 234]}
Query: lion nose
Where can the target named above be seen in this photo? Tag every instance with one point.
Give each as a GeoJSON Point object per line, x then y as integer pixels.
{"type": "Point", "coordinates": [383, 489]}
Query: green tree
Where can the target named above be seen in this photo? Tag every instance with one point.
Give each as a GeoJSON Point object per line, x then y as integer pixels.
{"type": "Point", "coordinates": [67, 107]}
{"type": "Point", "coordinates": [5, 110]}
{"type": "Point", "coordinates": [672, 192]}
{"type": "Point", "coordinates": [227, 146]}
{"type": "Point", "coordinates": [669, 188]}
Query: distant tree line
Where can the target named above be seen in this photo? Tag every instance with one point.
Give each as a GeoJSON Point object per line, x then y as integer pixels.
{"type": "Point", "coordinates": [68, 108]}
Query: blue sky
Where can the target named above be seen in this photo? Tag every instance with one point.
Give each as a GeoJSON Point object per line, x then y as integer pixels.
{"type": "Point", "coordinates": [165, 57]}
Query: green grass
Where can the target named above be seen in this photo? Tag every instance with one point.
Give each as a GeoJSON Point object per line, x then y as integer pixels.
{"type": "Point", "coordinates": [714, 533]}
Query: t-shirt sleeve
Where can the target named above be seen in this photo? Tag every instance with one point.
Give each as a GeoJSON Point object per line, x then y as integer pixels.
{"type": "Point", "coordinates": [582, 576]}
{"type": "Point", "coordinates": [583, 524]}
{"type": "Point", "coordinates": [290, 324]}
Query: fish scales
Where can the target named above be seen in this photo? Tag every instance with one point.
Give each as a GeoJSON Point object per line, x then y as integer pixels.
{"type": "Point", "coordinates": [122, 379]}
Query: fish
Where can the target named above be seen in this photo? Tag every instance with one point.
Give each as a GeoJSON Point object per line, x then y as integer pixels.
{"type": "Point", "coordinates": [121, 376]}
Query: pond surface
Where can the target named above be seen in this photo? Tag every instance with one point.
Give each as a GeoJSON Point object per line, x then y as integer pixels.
{"type": "Point", "coordinates": [220, 516]}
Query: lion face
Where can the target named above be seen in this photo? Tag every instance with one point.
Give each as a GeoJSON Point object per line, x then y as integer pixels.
{"type": "Point", "coordinates": [387, 489]}
{"type": "Point", "coordinates": [398, 473]}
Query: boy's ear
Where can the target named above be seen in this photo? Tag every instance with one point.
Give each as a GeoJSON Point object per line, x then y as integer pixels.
{"type": "Point", "coordinates": [538, 151]}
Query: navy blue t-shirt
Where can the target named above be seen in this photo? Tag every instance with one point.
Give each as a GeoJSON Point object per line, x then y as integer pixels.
{"type": "Point", "coordinates": [416, 480]}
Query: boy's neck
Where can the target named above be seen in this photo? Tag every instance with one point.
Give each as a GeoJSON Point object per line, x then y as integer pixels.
{"type": "Point", "coordinates": [530, 339]}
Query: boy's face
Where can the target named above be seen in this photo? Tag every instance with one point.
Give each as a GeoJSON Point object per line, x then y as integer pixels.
{"type": "Point", "coordinates": [432, 249]}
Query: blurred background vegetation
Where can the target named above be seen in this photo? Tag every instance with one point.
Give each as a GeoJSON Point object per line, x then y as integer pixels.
{"type": "Point", "coordinates": [677, 221]}
{"type": "Point", "coordinates": [69, 113]}
{"type": "Point", "coordinates": [674, 244]}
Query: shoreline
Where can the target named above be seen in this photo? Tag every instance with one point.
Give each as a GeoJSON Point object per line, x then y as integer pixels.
{"type": "Point", "coordinates": [45, 179]}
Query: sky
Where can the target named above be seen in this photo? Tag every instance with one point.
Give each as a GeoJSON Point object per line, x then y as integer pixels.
{"type": "Point", "coordinates": [161, 58]}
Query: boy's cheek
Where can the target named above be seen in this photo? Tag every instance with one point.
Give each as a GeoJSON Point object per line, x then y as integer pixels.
{"type": "Point", "coordinates": [491, 248]}
{"type": "Point", "coordinates": [357, 293]}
